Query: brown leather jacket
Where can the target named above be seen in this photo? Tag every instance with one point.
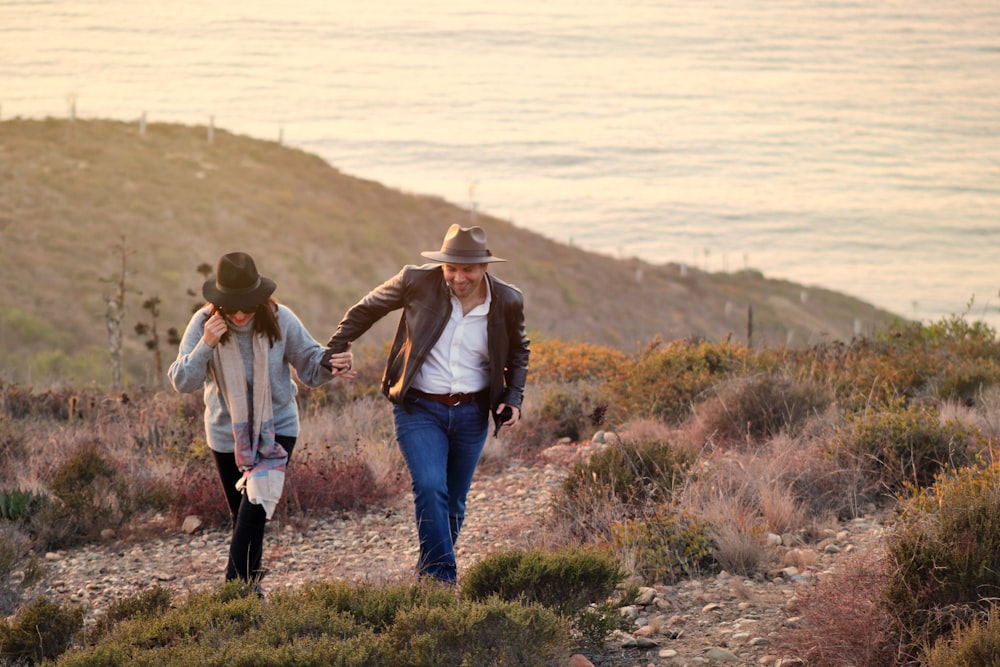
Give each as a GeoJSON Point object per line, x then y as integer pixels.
{"type": "Point", "coordinates": [426, 302]}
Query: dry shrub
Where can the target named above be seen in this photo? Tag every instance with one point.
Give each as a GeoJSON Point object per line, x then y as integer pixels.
{"type": "Point", "coordinates": [943, 556]}
{"type": "Point", "coordinates": [89, 492]}
{"type": "Point", "coordinates": [761, 481]}
{"type": "Point", "coordinates": [551, 411]}
{"type": "Point", "coordinates": [748, 411]}
{"type": "Point", "coordinates": [737, 530]}
{"type": "Point", "coordinates": [361, 428]}
{"type": "Point", "coordinates": [843, 619]}
{"type": "Point", "coordinates": [823, 482]}
{"type": "Point", "coordinates": [667, 379]}
{"type": "Point", "coordinates": [198, 491]}
{"type": "Point", "coordinates": [974, 644]}
{"type": "Point", "coordinates": [337, 486]}
{"type": "Point", "coordinates": [557, 362]}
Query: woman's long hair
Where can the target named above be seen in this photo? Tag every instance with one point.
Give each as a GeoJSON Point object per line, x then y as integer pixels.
{"type": "Point", "coordinates": [265, 321]}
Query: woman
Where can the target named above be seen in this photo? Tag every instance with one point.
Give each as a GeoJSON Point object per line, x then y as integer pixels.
{"type": "Point", "coordinates": [240, 349]}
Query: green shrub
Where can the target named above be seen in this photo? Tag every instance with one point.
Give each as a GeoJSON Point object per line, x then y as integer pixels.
{"type": "Point", "coordinates": [145, 604]}
{"type": "Point", "coordinates": [43, 630]}
{"type": "Point", "coordinates": [423, 625]}
{"type": "Point", "coordinates": [566, 580]}
{"type": "Point", "coordinates": [18, 505]}
{"type": "Point", "coordinates": [469, 634]}
{"type": "Point", "coordinates": [944, 555]}
{"type": "Point", "coordinates": [975, 644]}
{"type": "Point", "coordinates": [666, 546]}
{"type": "Point", "coordinates": [903, 445]}
{"type": "Point", "coordinates": [372, 605]}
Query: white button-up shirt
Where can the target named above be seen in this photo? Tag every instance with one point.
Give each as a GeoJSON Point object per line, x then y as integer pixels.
{"type": "Point", "coordinates": [459, 361]}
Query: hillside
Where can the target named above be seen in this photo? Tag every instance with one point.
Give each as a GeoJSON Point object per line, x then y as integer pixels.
{"type": "Point", "coordinates": [72, 194]}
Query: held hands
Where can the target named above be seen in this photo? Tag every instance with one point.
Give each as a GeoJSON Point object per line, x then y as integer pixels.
{"type": "Point", "coordinates": [340, 363]}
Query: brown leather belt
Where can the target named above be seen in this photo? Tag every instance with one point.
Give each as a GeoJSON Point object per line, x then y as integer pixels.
{"type": "Point", "coordinates": [451, 400]}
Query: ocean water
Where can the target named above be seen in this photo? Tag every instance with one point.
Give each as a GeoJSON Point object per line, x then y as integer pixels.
{"type": "Point", "coordinates": [852, 145]}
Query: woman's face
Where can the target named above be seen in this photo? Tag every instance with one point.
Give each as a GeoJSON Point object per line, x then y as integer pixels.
{"type": "Point", "coordinates": [239, 318]}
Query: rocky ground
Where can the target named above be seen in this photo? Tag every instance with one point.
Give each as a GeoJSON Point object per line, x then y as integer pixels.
{"type": "Point", "coordinates": [713, 621]}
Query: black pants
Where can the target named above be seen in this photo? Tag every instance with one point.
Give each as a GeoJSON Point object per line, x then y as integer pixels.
{"type": "Point", "coordinates": [247, 545]}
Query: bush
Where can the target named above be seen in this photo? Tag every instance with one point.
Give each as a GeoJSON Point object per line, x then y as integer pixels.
{"type": "Point", "coordinates": [89, 495]}
{"type": "Point", "coordinates": [557, 362]}
{"type": "Point", "coordinates": [618, 483]}
{"type": "Point", "coordinates": [338, 486]}
{"type": "Point", "coordinates": [198, 491]}
{"type": "Point", "coordinates": [566, 581]}
{"type": "Point", "coordinates": [422, 625]}
{"type": "Point", "coordinates": [18, 505]}
{"type": "Point", "coordinates": [41, 631]}
{"type": "Point", "coordinates": [975, 644]}
{"type": "Point", "coordinates": [666, 380]}
{"type": "Point", "coordinates": [19, 567]}
{"type": "Point", "coordinates": [146, 604]}
{"type": "Point", "coordinates": [843, 619]}
{"type": "Point", "coordinates": [666, 546]}
{"type": "Point", "coordinates": [748, 411]}
{"type": "Point", "coordinates": [943, 556]}
{"type": "Point", "coordinates": [484, 633]}
{"type": "Point", "coordinates": [903, 445]}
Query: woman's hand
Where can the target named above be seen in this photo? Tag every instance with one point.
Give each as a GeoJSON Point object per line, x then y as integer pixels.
{"type": "Point", "coordinates": [215, 327]}
{"type": "Point", "coordinates": [342, 363]}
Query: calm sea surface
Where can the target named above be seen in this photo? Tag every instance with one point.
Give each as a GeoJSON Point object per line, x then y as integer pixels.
{"type": "Point", "coordinates": [853, 145]}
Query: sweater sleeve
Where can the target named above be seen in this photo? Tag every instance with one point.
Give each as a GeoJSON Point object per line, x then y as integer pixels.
{"type": "Point", "coordinates": [302, 351]}
{"type": "Point", "coordinates": [187, 373]}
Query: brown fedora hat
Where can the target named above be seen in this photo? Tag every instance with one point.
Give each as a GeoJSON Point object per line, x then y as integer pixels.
{"type": "Point", "coordinates": [237, 285]}
{"type": "Point", "coordinates": [463, 245]}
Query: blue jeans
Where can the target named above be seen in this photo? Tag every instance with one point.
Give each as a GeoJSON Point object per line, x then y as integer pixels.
{"type": "Point", "coordinates": [441, 446]}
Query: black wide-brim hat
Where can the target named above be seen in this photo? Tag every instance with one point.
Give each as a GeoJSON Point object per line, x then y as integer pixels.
{"type": "Point", "coordinates": [237, 285]}
{"type": "Point", "coordinates": [463, 245]}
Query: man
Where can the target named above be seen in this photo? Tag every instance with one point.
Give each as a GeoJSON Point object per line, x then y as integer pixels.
{"type": "Point", "coordinates": [460, 353]}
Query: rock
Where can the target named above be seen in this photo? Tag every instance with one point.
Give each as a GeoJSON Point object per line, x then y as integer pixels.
{"type": "Point", "coordinates": [578, 660]}
{"type": "Point", "coordinates": [191, 524]}
{"type": "Point", "coordinates": [646, 596]}
{"type": "Point", "coordinates": [721, 654]}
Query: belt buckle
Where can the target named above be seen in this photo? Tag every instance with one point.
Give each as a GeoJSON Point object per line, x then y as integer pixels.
{"type": "Point", "coordinates": [457, 398]}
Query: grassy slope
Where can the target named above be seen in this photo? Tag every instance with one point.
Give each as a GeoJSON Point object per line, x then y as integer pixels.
{"type": "Point", "coordinates": [69, 193]}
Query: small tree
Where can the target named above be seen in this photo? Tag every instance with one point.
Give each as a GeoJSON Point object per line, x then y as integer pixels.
{"type": "Point", "coordinates": [115, 316]}
{"type": "Point", "coordinates": [149, 329]}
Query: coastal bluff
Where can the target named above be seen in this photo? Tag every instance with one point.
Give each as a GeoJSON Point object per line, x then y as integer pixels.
{"type": "Point", "coordinates": [84, 198]}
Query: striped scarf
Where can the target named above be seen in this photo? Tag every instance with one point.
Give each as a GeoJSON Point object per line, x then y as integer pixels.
{"type": "Point", "coordinates": [261, 459]}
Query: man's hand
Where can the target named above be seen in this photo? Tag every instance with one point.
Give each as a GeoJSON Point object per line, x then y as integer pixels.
{"type": "Point", "coordinates": [339, 363]}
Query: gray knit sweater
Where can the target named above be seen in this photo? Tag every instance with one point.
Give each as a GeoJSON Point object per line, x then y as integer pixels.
{"type": "Point", "coordinates": [297, 349]}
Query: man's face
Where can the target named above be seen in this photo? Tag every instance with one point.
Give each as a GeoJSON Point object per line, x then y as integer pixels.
{"type": "Point", "coordinates": [464, 279]}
